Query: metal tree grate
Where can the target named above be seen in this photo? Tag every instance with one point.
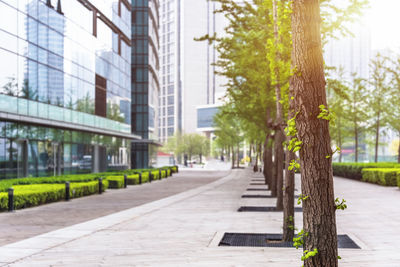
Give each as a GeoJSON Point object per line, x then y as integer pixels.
{"type": "Point", "coordinates": [257, 189]}
{"type": "Point", "coordinates": [272, 240]}
{"type": "Point", "coordinates": [257, 196]}
{"type": "Point", "coordinates": [264, 209]}
{"type": "Point", "coordinates": [257, 184]}
{"type": "Point", "coordinates": [258, 180]}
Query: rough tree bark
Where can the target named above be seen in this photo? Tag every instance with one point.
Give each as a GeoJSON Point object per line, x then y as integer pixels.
{"type": "Point", "coordinates": [267, 158]}
{"type": "Point", "coordinates": [279, 136]}
{"type": "Point", "coordinates": [273, 167]}
{"type": "Point", "coordinates": [289, 183]}
{"type": "Point", "coordinates": [279, 164]}
{"type": "Point", "coordinates": [308, 84]}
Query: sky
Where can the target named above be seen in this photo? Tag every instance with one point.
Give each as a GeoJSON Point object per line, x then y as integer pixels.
{"type": "Point", "coordinates": [383, 18]}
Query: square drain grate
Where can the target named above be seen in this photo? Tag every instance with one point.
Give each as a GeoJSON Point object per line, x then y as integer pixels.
{"type": "Point", "coordinates": [272, 240]}
{"type": "Point", "coordinates": [257, 196]}
{"type": "Point", "coordinates": [264, 209]}
{"type": "Point", "coordinates": [257, 189]}
{"type": "Point", "coordinates": [257, 184]}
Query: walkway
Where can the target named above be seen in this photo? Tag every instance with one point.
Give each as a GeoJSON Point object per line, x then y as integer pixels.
{"type": "Point", "coordinates": [34, 221]}
{"type": "Point", "coordinates": [185, 229]}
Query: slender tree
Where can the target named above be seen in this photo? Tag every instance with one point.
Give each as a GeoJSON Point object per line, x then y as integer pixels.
{"type": "Point", "coordinates": [378, 96]}
{"type": "Point", "coordinates": [394, 108]}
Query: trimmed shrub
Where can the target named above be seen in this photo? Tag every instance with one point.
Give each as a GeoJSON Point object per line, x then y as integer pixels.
{"type": "Point", "coordinates": [354, 170]}
{"type": "Point", "coordinates": [37, 194]}
{"type": "Point", "coordinates": [381, 176]}
{"type": "Point", "coordinates": [115, 182]}
{"type": "Point", "coordinates": [398, 178]}
{"type": "Point", "coordinates": [5, 184]}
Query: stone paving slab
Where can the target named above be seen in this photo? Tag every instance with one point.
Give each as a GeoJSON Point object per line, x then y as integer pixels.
{"type": "Point", "coordinates": [185, 229]}
{"type": "Point", "coordinates": [30, 222]}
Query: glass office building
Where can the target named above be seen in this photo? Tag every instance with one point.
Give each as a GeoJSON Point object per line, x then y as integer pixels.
{"type": "Point", "coordinates": [145, 81]}
{"type": "Point", "coordinates": [65, 86]}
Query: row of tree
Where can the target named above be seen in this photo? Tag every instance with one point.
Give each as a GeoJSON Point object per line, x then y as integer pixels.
{"type": "Point", "coordinates": [188, 145]}
{"type": "Point", "coordinates": [276, 100]}
{"type": "Point", "coordinates": [364, 107]}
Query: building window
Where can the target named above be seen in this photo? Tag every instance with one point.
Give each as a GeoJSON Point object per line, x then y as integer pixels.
{"type": "Point", "coordinates": [101, 96]}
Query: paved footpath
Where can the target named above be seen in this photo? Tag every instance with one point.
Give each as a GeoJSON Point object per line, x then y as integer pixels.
{"type": "Point", "coordinates": [39, 220]}
{"type": "Point", "coordinates": [184, 230]}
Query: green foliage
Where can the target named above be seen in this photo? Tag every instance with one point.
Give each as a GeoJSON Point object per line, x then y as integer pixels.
{"type": "Point", "coordinates": [307, 254]}
{"type": "Point", "coordinates": [340, 205]}
{"type": "Point", "coordinates": [294, 165]}
{"type": "Point", "coordinates": [190, 144]}
{"type": "Point", "coordinates": [115, 182]}
{"type": "Point", "coordinates": [381, 176]}
{"type": "Point", "coordinates": [133, 179]}
{"type": "Point", "coordinates": [5, 184]}
{"type": "Point", "coordinates": [302, 198]}
{"type": "Point", "coordinates": [290, 221]}
{"type": "Point", "coordinates": [37, 194]}
{"type": "Point", "coordinates": [354, 170]}
{"type": "Point", "coordinates": [398, 179]}
{"type": "Point", "coordinates": [298, 241]}
{"type": "Point", "coordinates": [325, 114]}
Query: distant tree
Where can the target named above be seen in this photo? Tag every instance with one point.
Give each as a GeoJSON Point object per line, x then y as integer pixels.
{"type": "Point", "coordinates": [188, 144]}
{"type": "Point", "coordinates": [356, 109]}
{"type": "Point", "coordinates": [378, 96]}
{"type": "Point", "coordinates": [394, 100]}
{"type": "Point", "coordinates": [336, 87]}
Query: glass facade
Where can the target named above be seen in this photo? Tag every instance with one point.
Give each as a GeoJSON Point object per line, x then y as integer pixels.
{"type": "Point", "coordinates": [205, 117]}
{"type": "Point", "coordinates": [66, 61]}
{"type": "Point", "coordinates": [145, 81]}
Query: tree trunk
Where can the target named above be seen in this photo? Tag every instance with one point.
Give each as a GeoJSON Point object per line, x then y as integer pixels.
{"type": "Point", "coordinates": [289, 183]}
{"type": "Point", "coordinates": [308, 84]}
{"type": "Point", "coordinates": [377, 137]}
{"type": "Point", "coordinates": [279, 164]}
{"type": "Point", "coordinates": [233, 157]}
{"type": "Point", "coordinates": [356, 142]}
{"type": "Point", "coordinates": [273, 177]}
{"type": "Point", "coordinates": [398, 151]}
{"type": "Point", "coordinates": [238, 157]}
{"type": "Point", "coordinates": [250, 153]}
{"type": "Point", "coordinates": [288, 200]}
{"type": "Point", "coordinates": [279, 137]}
{"type": "Point", "coordinates": [267, 158]}
{"type": "Point", "coordinates": [255, 169]}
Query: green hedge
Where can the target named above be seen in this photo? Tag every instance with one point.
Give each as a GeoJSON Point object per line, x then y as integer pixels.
{"type": "Point", "coordinates": [30, 192]}
{"type": "Point", "coordinates": [37, 194]}
{"type": "Point", "coordinates": [398, 179]}
{"type": "Point", "coordinates": [115, 182]}
{"type": "Point", "coordinates": [354, 170]}
{"type": "Point", "coordinates": [381, 176]}
{"type": "Point", "coordinates": [5, 184]}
